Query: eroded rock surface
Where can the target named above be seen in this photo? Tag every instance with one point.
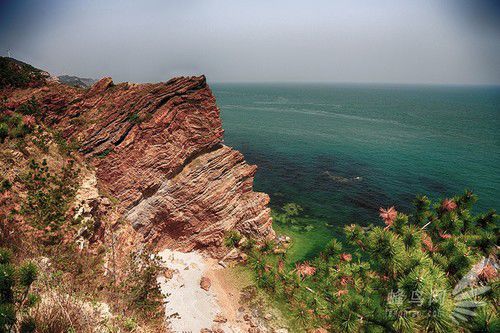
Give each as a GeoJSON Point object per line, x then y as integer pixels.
{"type": "Point", "coordinates": [158, 149]}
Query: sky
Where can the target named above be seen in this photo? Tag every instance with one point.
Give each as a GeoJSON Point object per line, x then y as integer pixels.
{"type": "Point", "coordinates": [387, 41]}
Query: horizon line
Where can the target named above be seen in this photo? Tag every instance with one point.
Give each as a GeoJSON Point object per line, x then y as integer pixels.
{"type": "Point", "coordinates": [362, 83]}
{"type": "Point", "coordinates": [385, 83]}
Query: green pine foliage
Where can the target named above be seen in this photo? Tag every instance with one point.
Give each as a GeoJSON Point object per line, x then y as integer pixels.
{"type": "Point", "coordinates": [16, 297]}
{"type": "Point", "coordinates": [141, 289]}
{"type": "Point", "coordinates": [232, 238]}
{"type": "Point", "coordinates": [394, 279]}
{"type": "Point", "coordinates": [48, 196]}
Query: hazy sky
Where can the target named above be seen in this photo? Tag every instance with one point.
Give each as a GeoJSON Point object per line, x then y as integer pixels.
{"type": "Point", "coordinates": [396, 41]}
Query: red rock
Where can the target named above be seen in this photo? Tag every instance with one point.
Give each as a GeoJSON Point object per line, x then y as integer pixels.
{"type": "Point", "coordinates": [157, 148]}
{"type": "Point", "coordinates": [217, 330]}
{"type": "Point", "coordinates": [205, 283]}
{"type": "Point", "coordinates": [220, 319]}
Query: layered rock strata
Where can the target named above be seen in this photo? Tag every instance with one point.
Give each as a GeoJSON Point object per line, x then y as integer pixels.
{"type": "Point", "coordinates": [158, 149]}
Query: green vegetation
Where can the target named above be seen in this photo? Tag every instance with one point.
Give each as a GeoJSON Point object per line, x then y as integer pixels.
{"type": "Point", "coordinates": [73, 277]}
{"type": "Point", "coordinates": [5, 185]}
{"type": "Point", "coordinates": [29, 108]}
{"type": "Point", "coordinates": [394, 279]}
{"type": "Point", "coordinates": [15, 126]}
{"type": "Point", "coordinates": [14, 73]}
{"type": "Point", "coordinates": [41, 140]}
{"type": "Point", "coordinates": [16, 298]}
{"type": "Point", "coordinates": [142, 291]}
{"type": "Point", "coordinates": [134, 118]}
{"type": "Point", "coordinates": [104, 153]}
{"type": "Point", "coordinates": [65, 147]}
{"type": "Point", "coordinates": [37, 220]}
{"type": "Point", "coordinates": [129, 324]}
{"type": "Point", "coordinates": [48, 196]}
{"type": "Point", "coordinates": [23, 121]}
{"type": "Point", "coordinates": [232, 238]}
{"type": "Point", "coordinates": [4, 131]}
{"type": "Point", "coordinates": [20, 123]}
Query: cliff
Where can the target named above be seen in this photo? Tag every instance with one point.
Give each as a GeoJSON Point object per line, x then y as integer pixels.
{"type": "Point", "coordinates": [158, 149]}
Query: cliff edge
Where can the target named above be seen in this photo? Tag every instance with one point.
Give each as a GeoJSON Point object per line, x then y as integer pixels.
{"type": "Point", "coordinates": [158, 149]}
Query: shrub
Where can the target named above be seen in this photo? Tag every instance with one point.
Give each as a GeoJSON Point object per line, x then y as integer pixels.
{"type": "Point", "coordinates": [232, 238]}
{"type": "Point", "coordinates": [19, 131]}
{"type": "Point", "coordinates": [134, 118]}
{"type": "Point", "coordinates": [28, 325]}
{"type": "Point", "coordinates": [65, 147]}
{"type": "Point", "coordinates": [4, 132]}
{"type": "Point", "coordinates": [129, 324]}
{"type": "Point", "coordinates": [48, 196]}
{"type": "Point", "coordinates": [397, 278]}
{"type": "Point", "coordinates": [13, 125]}
{"type": "Point", "coordinates": [29, 108]}
{"type": "Point", "coordinates": [62, 313]}
{"type": "Point", "coordinates": [40, 139]}
{"type": "Point", "coordinates": [15, 296]}
{"type": "Point", "coordinates": [141, 288]}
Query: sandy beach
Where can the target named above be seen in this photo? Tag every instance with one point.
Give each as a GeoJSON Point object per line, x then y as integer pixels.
{"type": "Point", "coordinates": [189, 308]}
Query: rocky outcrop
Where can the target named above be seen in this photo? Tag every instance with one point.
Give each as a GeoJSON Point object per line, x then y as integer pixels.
{"type": "Point", "coordinates": [215, 187]}
{"type": "Point", "coordinates": [158, 149]}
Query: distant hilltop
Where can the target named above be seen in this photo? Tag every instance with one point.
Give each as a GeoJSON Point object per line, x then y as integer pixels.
{"type": "Point", "coordinates": [17, 74]}
{"type": "Point", "coordinates": [76, 81]}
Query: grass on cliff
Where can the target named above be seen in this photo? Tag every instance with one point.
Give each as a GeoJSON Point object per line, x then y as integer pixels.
{"type": "Point", "coordinates": [18, 124]}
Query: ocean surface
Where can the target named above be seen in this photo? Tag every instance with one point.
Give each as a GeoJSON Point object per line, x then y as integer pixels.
{"type": "Point", "coordinates": [343, 151]}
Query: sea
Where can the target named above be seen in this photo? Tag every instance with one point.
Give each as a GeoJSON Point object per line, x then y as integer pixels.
{"type": "Point", "coordinates": [341, 151]}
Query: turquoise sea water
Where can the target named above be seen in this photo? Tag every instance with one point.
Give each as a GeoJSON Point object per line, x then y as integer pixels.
{"type": "Point", "coordinates": [343, 151]}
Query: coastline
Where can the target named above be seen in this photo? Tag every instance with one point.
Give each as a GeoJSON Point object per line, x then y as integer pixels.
{"type": "Point", "coordinates": [231, 303]}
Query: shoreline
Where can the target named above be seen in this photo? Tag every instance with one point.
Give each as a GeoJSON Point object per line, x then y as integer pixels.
{"type": "Point", "coordinates": [188, 306]}
{"type": "Point", "coordinates": [231, 303]}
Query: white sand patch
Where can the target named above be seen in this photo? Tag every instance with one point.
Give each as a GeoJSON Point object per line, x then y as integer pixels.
{"type": "Point", "coordinates": [189, 308]}
{"type": "Point", "coordinates": [88, 188]}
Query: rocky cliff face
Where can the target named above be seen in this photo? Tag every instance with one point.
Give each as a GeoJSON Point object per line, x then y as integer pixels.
{"type": "Point", "coordinates": [158, 149]}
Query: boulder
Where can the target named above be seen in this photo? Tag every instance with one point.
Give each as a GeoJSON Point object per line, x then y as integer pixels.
{"type": "Point", "coordinates": [205, 283]}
